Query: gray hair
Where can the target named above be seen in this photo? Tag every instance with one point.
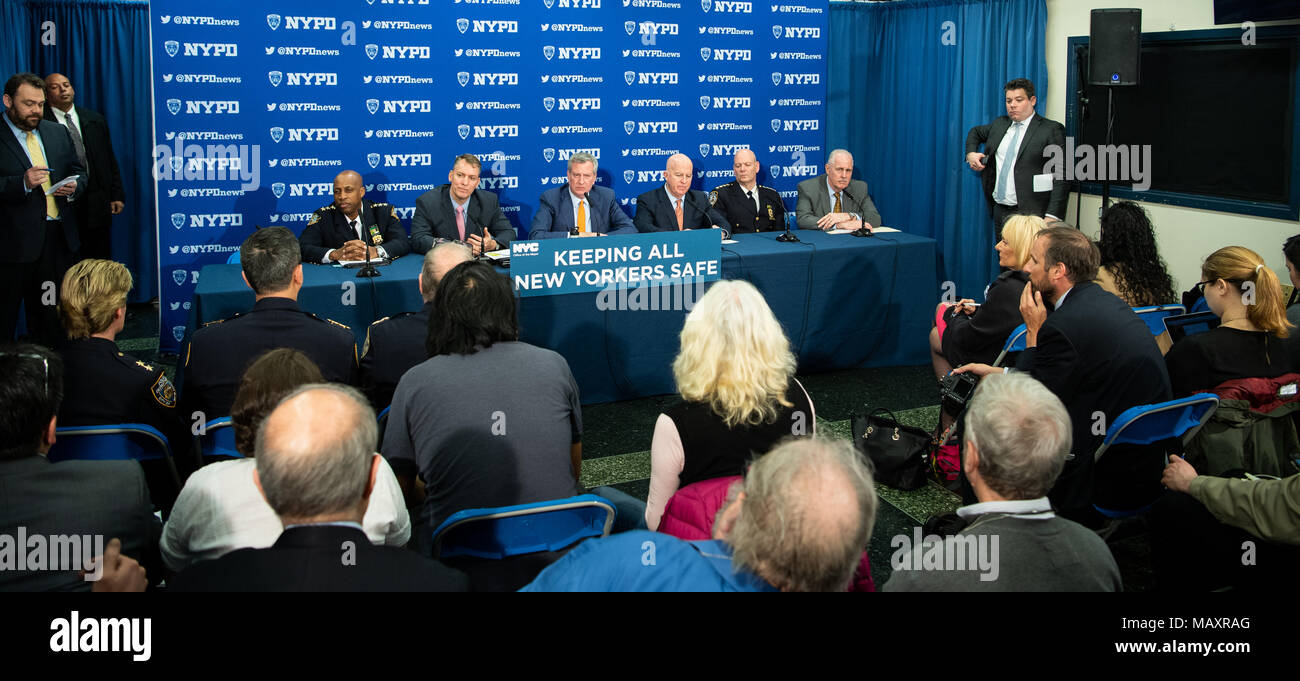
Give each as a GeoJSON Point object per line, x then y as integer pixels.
{"type": "Point", "coordinates": [809, 509]}
{"type": "Point", "coordinates": [318, 464]}
{"type": "Point", "coordinates": [1022, 432]}
{"type": "Point", "coordinates": [439, 261]}
{"type": "Point", "coordinates": [830, 158]}
{"type": "Point", "coordinates": [583, 157]}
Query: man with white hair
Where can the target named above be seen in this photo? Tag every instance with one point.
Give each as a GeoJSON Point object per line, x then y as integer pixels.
{"type": "Point", "coordinates": [834, 200]}
{"type": "Point", "coordinates": [1017, 437]}
{"type": "Point", "coordinates": [395, 344]}
{"type": "Point", "coordinates": [798, 522]}
{"type": "Point", "coordinates": [316, 466]}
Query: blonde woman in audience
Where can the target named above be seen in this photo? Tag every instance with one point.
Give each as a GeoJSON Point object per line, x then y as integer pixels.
{"type": "Point", "coordinates": [735, 373]}
{"type": "Point", "coordinates": [221, 509]}
{"type": "Point", "coordinates": [1253, 339]}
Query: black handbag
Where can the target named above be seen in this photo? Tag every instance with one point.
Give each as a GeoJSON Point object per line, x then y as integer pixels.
{"type": "Point", "coordinates": [899, 453]}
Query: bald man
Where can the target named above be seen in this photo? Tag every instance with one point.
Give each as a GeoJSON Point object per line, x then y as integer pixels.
{"type": "Point", "coordinates": [316, 467]}
{"type": "Point", "coordinates": [104, 196]}
{"type": "Point", "coordinates": [397, 343]}
{"type": "Point", "coordinates": [745, 204]}
{"type": "Point", "coordinates": [344, 229]}
{"type": "Point", "coordinates": [675, 206]}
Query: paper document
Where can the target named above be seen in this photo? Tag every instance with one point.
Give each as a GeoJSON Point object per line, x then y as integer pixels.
{"type": "Point", "coordinates": [67, 180]}
{"type": "Point", "coordinates": [499, 254]}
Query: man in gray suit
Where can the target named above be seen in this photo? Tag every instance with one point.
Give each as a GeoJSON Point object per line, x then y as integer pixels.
{"type": "Point", "coordinates": [458, 211]}
{"type": "Point", "coordinates": [835, 200]}
{"type": "Point", "coordinates": [75, 505]}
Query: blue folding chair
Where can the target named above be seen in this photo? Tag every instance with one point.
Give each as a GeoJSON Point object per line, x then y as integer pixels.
{"type": "Point", "coordinates": [1015, 343]}
{"type": "Point", "coordinates": [118, 442]}
{"type": "Point", "coordinates": [505, 531]}
{"type": "Point", "coordinates": [1151, 424]}
{"type": "Point", "coordinates": [1154, 316]}
{"type": "Point", "coordinates": [233, 259]}
{"type": "Point", "coordinates": [218, 439]}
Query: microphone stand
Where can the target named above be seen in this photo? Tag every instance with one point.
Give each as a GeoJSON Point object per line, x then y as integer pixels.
{"type": "Point", "coordinates": [861, 231]}
{"type": "Point", "coordinates": [787, 238]}
{"type": "Point", "coordinates": [369, 270]}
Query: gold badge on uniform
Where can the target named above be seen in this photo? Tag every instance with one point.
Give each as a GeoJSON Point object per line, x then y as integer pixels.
{"type": "Point", "coordinates": [713, 198]}
{"type": "Point", "coordinates": [315, 217]}
{"type": "Point", "coordinates": [770, 214]}
{"type": "Point", "coordinates": [164, 392]}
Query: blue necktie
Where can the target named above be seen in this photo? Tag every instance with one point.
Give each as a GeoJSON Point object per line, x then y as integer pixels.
{"type": "Point", "coordinates": [1000, 192]}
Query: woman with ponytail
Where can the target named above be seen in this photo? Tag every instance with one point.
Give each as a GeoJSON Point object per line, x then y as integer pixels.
{"type": "Point", "coordinates": [1253, 339]}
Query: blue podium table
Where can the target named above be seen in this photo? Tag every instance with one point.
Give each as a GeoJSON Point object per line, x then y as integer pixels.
{"type": "Point", "coordinates": [843, 301]}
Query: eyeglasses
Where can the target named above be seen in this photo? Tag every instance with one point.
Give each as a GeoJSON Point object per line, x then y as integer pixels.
{"type": "Point", "coordinates": [45, 365]}
{"type": "Point", "coordinates": [1200, 287]}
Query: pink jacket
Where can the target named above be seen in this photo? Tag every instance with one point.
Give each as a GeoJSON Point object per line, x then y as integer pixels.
{"type": "Point", "coordinates": [691, 511]}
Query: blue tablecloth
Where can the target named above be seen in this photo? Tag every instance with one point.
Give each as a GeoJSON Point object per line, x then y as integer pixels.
{"type": "Point", "coordinates": [843, 301]}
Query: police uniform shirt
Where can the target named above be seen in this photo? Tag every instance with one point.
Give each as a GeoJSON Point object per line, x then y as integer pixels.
{"type": "Point", "coordinates": [218, 353]}
{"type": "Point", "coordinates": [328, 229]}
{"type": "Point", "coordinates": [103, 386]}
{"type": "Point", "coordinates": [393, 345]}
{"type": "Point", "coordinates": [765, 212]}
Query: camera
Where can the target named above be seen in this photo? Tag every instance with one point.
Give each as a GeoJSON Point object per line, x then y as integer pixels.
{"type": "Point", "coordinates": [955, 390]}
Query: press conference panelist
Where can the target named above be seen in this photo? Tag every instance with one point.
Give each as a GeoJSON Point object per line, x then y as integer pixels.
{"type": "Point", "coordinates": [747, 205]}
{"type": "Point", "coordinates": [579, 208]}
{"type": "Point", "coordinates": [460, 211]}
{"type": "Point", "coordinates": [344, 229]}
{"type": "Point", "coordinates": [834, 200]}
{"type": "Point", "coordinates": [675, 206]}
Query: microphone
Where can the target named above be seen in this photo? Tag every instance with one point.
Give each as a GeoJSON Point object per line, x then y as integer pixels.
{"type": "Point", "coordinates": [863, 230]}
{"type": "Point", "coordinates": [787, 238]}
{"type": "Point", "coordinates": [369, 270]}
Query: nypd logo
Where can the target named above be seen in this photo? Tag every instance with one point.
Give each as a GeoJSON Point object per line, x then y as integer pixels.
{"type": "Point", "coordinates": [720, 54]}
{"type": "Point", "coordinates": [649, 127]}
{"type": "Point", "coordinates": [372, 105]}
{"type": "Point", "coordinates": [178, 221]}
{"type": "Point", "coordinates": [549, 154]}
{"type": "Point", "coordinates": [548, 102]}
{"type": "Point", "coordinates": [573, 4]}
{"type": "Point", "coordinates": [372, 50]}
{"type": "Point", "coordinates": [727, 6]}
{"type": "Point", "coordinates": [297, 23]}
{"type": "Point", "coordinates": [578, 53]}
{"type": "Point", "coordinates": [407, 160]}
{"type": "Point", "coordinates": [373, 160]}
{"type": "Point", "coordinates": [273, 20]}
{"type": "Point", "coordinates": [179, 276]}
{"type": "Point", "coordinates": [487, 26]}
{"type": "Point", "coordinates": [276, 77]}
{"type": "Point", "coordinates": [178, 332]}
{"type": "Point", "coordinates": [629, 175]}
{"type": "Point", "coordinates": [201, 49]}
{"type": "Point", "coordinates": [174, 106]}
{"type": "Point", "coordinates": [462, 130]}
{"type": "Point", "coordinates": [466, 79]}
{"type": "Point", "coordinates": [489, 131]}
{"type": "Point", "coordinates": [650, 78]}
{"type": "Point", "coordinates": [704, 150]}
{"type": "Point", "coordinates": [277, 134]}
{"type": "Point", "coordinates": [796, 32]}
{"type": "Point", "coordinates": [171, 47]}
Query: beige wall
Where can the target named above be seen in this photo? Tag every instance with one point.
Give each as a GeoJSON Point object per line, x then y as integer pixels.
{"type": "Point", "coordinates": [1185, 235]}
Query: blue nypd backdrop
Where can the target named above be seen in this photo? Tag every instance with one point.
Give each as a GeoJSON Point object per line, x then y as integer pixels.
{"type": "Point", "coordinates": [258, 106]}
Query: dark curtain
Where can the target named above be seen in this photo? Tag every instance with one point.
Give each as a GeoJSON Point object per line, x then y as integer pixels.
{"type": "Point", "coordinates": [15, 37]}
{"type": "Point", "coordinates": [901, 101]}
{"type": "Point", "coordinates": [102, 46]}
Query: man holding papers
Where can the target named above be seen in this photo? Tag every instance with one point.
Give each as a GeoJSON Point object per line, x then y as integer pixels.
{"type": "Point", "coordinates": [675, 206]}
{"type": "Point", "coordinates": [40, 180]}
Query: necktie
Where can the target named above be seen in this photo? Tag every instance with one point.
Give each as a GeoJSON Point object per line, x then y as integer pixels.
{"type": "Point", "coordinates": [678, 209]}
{"type": "Point", "coordinates": [38, 160]}
{"type": "Point", "coordinates": [838, 208]}
{"type": "Point", "coordinates": [750, 195]}
{"type": "Point", "coordinates": [77, 141]}
{"type": "Point", "coordinates": [460, 221]}
{"type": "Point", "coordinates": [1000, 192]}
{"type": "Point", "coordinates": [582, 216]}
{"type": "Point", "coordinates": [355, 229]}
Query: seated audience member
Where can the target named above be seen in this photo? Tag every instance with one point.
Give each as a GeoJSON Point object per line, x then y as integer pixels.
{"type": "Point", "coordinates": [1206, 522]}
{"type": "Point", "coordinates": [486, 420]}
{"type": "Point", "coordinates": [220, 509]}
{"type": "Point", "coordinates": [345, 229]}
{"type": "Point", "coordinates": [317, 468]}
{"type": "Point", "coordinates": [219, 352]}
{"type": "Point", "coordinates": [1091, 351]}
{"type": "Point", "coordinates": [1291, 251]}
{"type": "Point", "coordinates": [1016, 440]}
{"type": "Point", "coordinates": [1253, 339]}
{"type": "Point", "coordinates": [1131, 267]}
{"type": "Point", "coordinates": [737, 404]}
{"type": "Point", "coordinates": [102, 385]}
{"type": "Point", "coordinates": [105, 499]}
{"type": "Point", "coordinates": [967, 333]}
{"type": "Point", "coordinates": [395, 344]}
{"type": "Point", "coordinates": [799, 522]}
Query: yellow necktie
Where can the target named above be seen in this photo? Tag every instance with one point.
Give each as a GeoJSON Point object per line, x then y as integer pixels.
{"type": "Point", "coordinates": [38, 160]}
{"type": "Point", "coordinates": [582, 217]}
{"type": "Point", "coordinates": [837, 204]}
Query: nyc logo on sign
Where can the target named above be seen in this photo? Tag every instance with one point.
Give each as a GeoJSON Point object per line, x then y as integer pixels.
{"type": "Point", "coordinates": [276, 77]}
{"type": "Point", "coordinates": [273, 20]}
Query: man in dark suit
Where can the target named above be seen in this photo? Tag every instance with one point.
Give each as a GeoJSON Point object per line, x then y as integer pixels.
{"type": "Point", "coordinates": [675, 206]}
{"type": "Point", "coordinates": [344, 229]}
{"type": "Point", "coordinates": [39, 230]}
{"type": "Point", "coordinates": [1022, 187]}
{"type": "Point", "coordinates": [1091, 351]}
{"type": "Point", "coordinates": [579, 208]}
{"type": "Point", "coordinates": [104, 196]}
{"type": "Point", "coordinates": [219, 352]}
{"type": "Point", "coordinates": [747, 205]}
{"type": "Point", "coordinates": [835, 200]}
{"type": "Point", "coordinates": [104, 499]}
{"type": "Point", "coordinates": [395, 344]}
{"type": "Point", "coordinates": [459, 211]}
{"type": "Point", "coordinates": [316, 467]}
